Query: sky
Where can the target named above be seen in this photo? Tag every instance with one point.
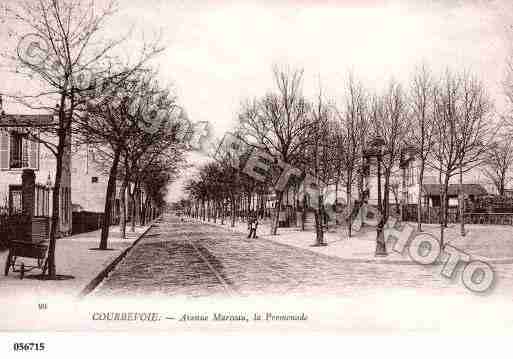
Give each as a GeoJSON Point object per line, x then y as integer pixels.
{"type": "Point", "coordinates": [219, 53]}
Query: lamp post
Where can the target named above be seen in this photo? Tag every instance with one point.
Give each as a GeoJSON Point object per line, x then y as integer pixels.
{"type": "Point", "coordinates": [376, 150]}
{"type": "Point", "coordinates": [407, 157]}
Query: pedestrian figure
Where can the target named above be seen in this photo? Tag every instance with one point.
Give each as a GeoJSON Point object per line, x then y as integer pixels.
{"type": "Point", "coordinates": [253, 224]}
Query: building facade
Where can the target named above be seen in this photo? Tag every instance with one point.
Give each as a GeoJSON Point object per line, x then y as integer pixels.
{"type": "Point", "coordinates": [405, 186]}
{"type": "Point", "coordinates": [22, 139]}
{"type": "Point", "coordinates": [89, 179]}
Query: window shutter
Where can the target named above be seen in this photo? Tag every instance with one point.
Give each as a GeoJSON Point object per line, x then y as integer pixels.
{"type": "Point", "coordinates": [33, 159]}
{"type": "Point", "coordinates": [25, 152]}
{"type": "Point", "coordinates": [4, 150]}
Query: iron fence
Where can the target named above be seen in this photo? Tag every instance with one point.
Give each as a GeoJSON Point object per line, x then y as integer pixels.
{"type": "Point", "coordinates": [432, 215]}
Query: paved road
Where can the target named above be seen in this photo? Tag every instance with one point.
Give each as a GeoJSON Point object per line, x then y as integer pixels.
{"type": "Point", "coordinates": [195, 259]}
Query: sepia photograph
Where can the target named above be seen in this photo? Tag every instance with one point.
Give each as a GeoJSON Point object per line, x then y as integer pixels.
{"type": "Point", "coordinates": [255, 167]}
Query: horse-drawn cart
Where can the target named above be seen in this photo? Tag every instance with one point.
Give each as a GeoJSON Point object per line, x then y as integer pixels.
{"type": "Point", "coordinates": [28, 248]}
{"type": "Point", "coordinates": [20, 251]}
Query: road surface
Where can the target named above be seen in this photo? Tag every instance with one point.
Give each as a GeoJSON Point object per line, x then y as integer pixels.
{"type": "Point", "coordinates": [194, 259]}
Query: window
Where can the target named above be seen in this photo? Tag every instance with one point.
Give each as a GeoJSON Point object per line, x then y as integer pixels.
{"type": "Point", "coordinates": [15, 200]}
{"type": "Point", "coordinates": [94, 179]}
{"type": "Point", "coordinates": [42, 200]}
{"type": "Point", "coordinates": [18, 151]}
{"type": "Point", "coordinates": [411, 174]}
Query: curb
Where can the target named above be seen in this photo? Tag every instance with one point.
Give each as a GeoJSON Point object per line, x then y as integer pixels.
{"type": "Point", "coordinates": [105, 272]}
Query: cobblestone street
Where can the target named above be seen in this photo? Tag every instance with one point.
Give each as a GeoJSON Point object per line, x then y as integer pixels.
{"type": "Point", "coordinates": [194, 259]}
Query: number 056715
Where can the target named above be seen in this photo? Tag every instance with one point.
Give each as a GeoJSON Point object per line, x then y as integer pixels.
{"type": "Point", "coordinates": [28, 347]}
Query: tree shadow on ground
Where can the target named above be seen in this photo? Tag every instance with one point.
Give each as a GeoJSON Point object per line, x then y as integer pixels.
{"type": "Point", "coordinates": [45, 277]}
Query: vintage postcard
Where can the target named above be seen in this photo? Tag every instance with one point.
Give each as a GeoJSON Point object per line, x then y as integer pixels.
{"type": "Point", "coordinates": [284, 167]}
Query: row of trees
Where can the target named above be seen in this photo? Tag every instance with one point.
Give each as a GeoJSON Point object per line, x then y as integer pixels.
{"type": "Point", "coordinates": [135, 124]}
{"type": "Point", "coordinates": [445, 123]}
{"type": "Point", "coordinates": [108, 98]}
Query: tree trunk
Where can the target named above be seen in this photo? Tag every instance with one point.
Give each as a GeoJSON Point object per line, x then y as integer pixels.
{"type": "Point", "coordinates": [222, 211]}
{"type": "Point", "coordinates": [380, 202]}
{"type": "Point", "coordinates": [122, 198]}
{"type": "Point", "coordinates": [248, 206]}
{"type": "Point", "coordinates": [462, 205]}
{"type": "Point", "coordinates": [386, 192]}
{"type": "Point", "coordinates": [349, 209]}
{"type": "Point", "coordinates": [138, 205]}
{"type": "Point", "coordinates": [276, 219]}
{"type": "Point", "coordinates": [443, 209]}
{"type": "Point", "coordinates": [64, 124]}
{"type": "Point", "coordinates": [303, 213]}
{"type": "Point", "coordinates": [380, 236]}
{"type": "Point", "coordinates": [54, 226]}
{"type": "Point", "coordinates": [446, 210]}
{"type": "Point", "coordinates": [215, 209]}
{"type": "Point", "coordinates": [319, 231]}
{"type": "Point", "coordinates": [111, 190]}
{"type": "Point", "coordinates": [146, 210]}
{"type": "Point", "coordinates": [233, 210]}
{"type": "Point", "coordinates": [381, 249]}
{"type": "Point", "coordinates": [133, 209]}
{"type": "Point", "coordinates": [419, 197]}
{"type": "Point", "coordinates": [142, 217]}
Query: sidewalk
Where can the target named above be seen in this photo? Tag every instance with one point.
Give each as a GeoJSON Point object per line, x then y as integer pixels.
{"type": "Point", "coordinates": [360, 247]}
{"type": "Point", "coordinates": [77, 263]}
{"type": "Point", "coordinates": [484, 243]}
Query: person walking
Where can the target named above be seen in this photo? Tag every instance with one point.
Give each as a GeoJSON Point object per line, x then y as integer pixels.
{"type": "Point", "coordinates": [253, 224]}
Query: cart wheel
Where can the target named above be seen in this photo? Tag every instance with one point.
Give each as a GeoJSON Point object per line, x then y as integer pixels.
{"type": "Point", "coordinates": [8, 263]}
{"type": "Point", "coordinates": [22, 270]}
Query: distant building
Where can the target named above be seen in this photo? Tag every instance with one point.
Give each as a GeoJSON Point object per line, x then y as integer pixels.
{"type": "Point", "coordinates": [405, 182]}
{"type": "Point", "coordinates": [431, 193]}
{"type": "Point", "coordinates": [89, 177]}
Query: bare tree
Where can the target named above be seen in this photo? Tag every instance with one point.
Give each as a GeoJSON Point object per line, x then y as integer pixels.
{"type": "Point", "coordinates": [390, 126]}
{"type": "Point", "coordinates": [476, 130]}
{"type": "Point", "coordinates": [160, 150]}
{"type": "Point", "coordinates": [277, 123]}
{"type": "Point", "coordinates": [421, 94]}
{"type": "Point", "coordinates": [498, 162]}
{"type": "Point", "coordinates": [319, 158]}
{"type": "Point", "coordinates": [354, 124]}
{"type": "Point", "coordinates": [68, 31]}
{"type": "Point", "coordinates": [462, 131]}
{"type": "Point", "coordinates": [123, 114]}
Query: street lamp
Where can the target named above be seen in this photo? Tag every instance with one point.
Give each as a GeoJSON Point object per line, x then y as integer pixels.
{"type": "Point", "coordinates": [408, 154]}
{"type": "Point", "coordinates": [376, 150]}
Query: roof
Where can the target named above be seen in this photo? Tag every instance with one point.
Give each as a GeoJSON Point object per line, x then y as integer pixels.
{"type": "Point", "coordinates": [25, 120]}
{"type": "Point", "coordinates": [472, 189]}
